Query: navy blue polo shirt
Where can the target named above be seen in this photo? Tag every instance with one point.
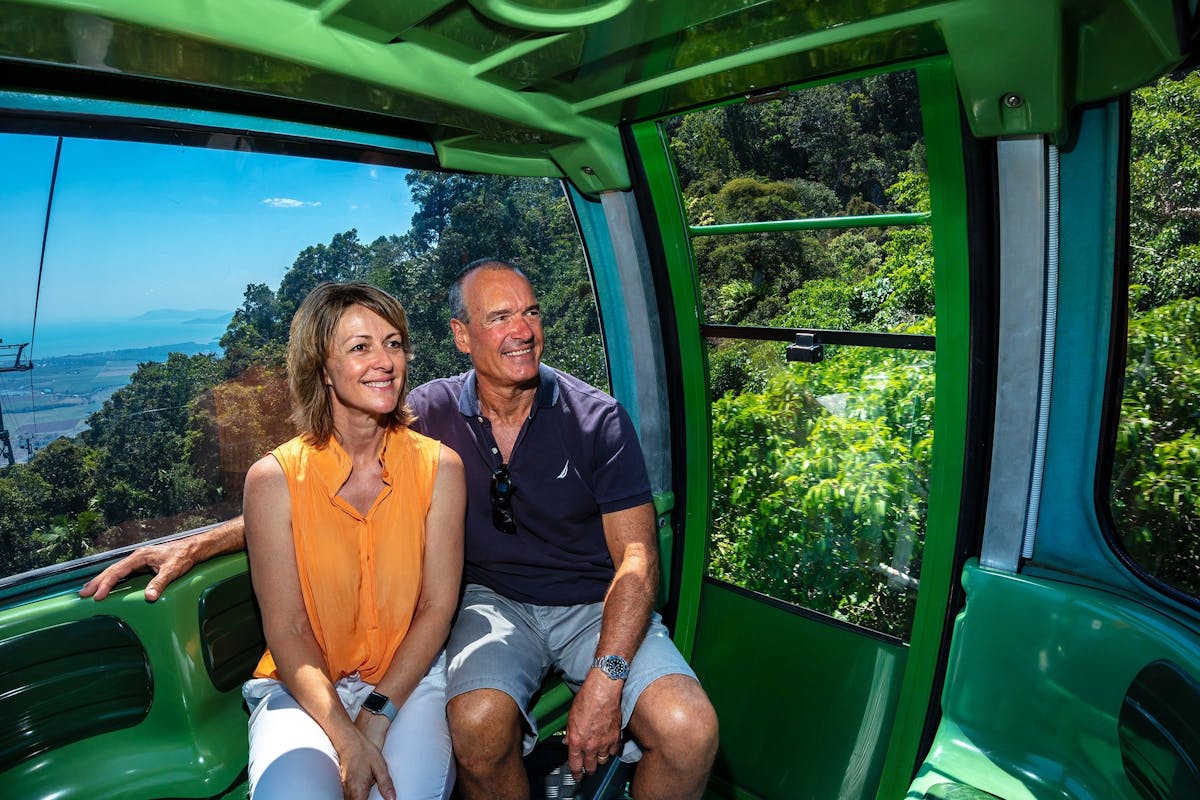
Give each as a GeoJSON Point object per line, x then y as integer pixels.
{"type": "Point", "coordinates": [576, 457]}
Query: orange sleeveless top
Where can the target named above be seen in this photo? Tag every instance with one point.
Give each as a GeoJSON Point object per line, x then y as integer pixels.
{"type": "Point", "coordinates": [360, 575]}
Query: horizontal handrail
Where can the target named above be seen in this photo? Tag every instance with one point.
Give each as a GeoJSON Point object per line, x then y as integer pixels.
{"type": "Point", "coordinates": [813, 223]}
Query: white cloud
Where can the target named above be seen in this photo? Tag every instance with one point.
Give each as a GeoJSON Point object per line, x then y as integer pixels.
{"type": "Point", "coordinates": [288, 202]}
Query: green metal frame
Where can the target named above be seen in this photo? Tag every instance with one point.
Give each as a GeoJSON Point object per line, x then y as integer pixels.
{"type": "Point", "coordinates": [951, 258]}
{"type": "Point", "coordinates": [944, 149]}
{"type": "Point", "coordinates": [692, 464]}
{"type": "Point", "coordinates": [540, 87]}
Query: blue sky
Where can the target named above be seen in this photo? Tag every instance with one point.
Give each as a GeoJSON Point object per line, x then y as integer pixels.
{"type": "Point", "coordinates": [137, 227]}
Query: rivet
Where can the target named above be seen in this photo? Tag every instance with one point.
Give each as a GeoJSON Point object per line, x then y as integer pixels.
{"type": "Point", "coordinates": [1013, 100]}
{"type": "Point", "coordinates": [588, 171]}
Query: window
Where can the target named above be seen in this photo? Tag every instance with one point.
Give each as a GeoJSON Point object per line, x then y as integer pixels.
{"type": "Point", "coordinates": [142, 356]}
{"type": "Point", "coordinates": [809, 214]}
{"type": "Point", "coordinates": [1156, 467]}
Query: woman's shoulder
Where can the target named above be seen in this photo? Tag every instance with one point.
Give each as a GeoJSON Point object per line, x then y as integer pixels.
{"type": "Point", "coordinates": [413, 445]}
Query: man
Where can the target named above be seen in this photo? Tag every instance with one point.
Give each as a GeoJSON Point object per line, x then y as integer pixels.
{"type": "Point", "coordinates": [561, 562]}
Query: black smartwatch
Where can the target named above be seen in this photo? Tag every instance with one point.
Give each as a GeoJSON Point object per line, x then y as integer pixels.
{"type": "Point", "coordinates": [614, 667]}
{"type": "Point", "coordinates": [381, 704]}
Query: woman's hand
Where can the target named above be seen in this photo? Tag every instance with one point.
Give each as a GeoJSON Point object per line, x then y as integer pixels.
{"type": "Point", "coordinates": [373, 726]}
{"type": "Point", "coordinates": [362, 766]}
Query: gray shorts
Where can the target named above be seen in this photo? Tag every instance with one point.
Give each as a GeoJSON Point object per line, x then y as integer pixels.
{"type": "Point", "coordinates": [501, 644]}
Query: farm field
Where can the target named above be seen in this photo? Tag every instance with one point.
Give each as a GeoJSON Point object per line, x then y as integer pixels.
{"type": "Point", "coordinates": [58, 395]}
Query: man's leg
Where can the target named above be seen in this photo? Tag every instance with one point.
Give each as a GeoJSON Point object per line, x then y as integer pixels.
{"type": "Point", "coordinates": [663, 706]}
{"type": "Point", "coordinates": [496, 659]}
{"type": "Point", "coordinates": [676, 727]}
{"type": "Point", "coordinates": [487, 730]}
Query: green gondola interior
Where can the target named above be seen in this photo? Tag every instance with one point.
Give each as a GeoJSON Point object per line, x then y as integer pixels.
{"type": "Point", "coordinates": [1057, 676]}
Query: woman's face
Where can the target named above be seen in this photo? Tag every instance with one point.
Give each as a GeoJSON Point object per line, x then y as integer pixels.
{"type": "Point", "coordinates": [366, 364]}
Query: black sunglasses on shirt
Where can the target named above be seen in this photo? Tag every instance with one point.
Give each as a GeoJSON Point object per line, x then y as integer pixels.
{"type": "Point", "coordinates": [502, 492]}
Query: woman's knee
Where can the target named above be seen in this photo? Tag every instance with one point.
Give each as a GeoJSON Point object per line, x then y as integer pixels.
{"type": "Point", "coordinates": [301, 772]}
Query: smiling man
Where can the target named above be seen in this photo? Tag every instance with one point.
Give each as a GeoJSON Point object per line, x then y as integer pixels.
{"type": "Point", "coordinates": [561, 561]}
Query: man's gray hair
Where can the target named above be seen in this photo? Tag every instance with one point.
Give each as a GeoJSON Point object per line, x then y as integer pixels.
{"type": "Point", "coordinates": [458, 309]}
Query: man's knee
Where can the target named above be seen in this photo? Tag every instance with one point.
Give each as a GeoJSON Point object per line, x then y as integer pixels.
{"type": "Point", "coordinates": [674, 717]}
{"type": "Point", "coordinates": [485, 725]}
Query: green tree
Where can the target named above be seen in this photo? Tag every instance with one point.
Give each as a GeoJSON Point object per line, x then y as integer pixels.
{"type": "Point", "coordinates": [1157, 461]}
{"type": "Point", "coordinates": [343, 259]}
{"type": "Point", "coordinates": [257, 334]}
{"type": "Point", "coordinates": [1164, 178]}
{"type": "Point", "coordinates": [68, 538]}
{"type": "Point", "coordinates": [821, 482]}
{"type": "Point", "coordinates": [69, 468]}
{"type": "Point", "coordinates": [23, 498]}
{"type": "Point", "coordinates": [142, 433]}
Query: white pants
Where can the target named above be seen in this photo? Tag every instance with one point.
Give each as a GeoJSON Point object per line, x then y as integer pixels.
{"type": "Point", "coordinates": [291, 757]}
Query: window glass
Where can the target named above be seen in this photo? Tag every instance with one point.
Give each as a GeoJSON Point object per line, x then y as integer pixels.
{"type": "Point", "coordinates": [824, 151]}
{"type": "Point", "coordinates": [842, 150]}
{"type": "Point", "coordinates": [820, 470]}
{"type": "Point", "coordinates": [1156, 468]}
{"type": "Point", "coordinates": [142, 358]}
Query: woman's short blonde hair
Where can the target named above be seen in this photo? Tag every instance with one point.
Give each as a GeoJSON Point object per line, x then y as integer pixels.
{"type": "Point", "coordinates": [309, 343]}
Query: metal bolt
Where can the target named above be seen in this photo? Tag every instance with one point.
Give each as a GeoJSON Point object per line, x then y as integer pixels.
{"type": "Point", "coordinates": [588, 171]}
{"type": "Point", "coordinates": [1013, 100]}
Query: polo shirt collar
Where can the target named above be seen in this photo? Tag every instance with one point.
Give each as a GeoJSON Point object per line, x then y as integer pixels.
{"type": "Point", "coordinates": [547, 392]}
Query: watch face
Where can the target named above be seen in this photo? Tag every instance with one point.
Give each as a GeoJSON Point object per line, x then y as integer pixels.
{"type": "Point", "coordinates": [375, 702]}
{"type": "Point", "coordinates": [614, 667]}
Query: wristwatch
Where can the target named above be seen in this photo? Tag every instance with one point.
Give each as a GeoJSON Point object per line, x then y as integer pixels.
{"type": "Point", "coordinates": [614, 667]}
{"type": "Point", "coordinates": [378, 703]}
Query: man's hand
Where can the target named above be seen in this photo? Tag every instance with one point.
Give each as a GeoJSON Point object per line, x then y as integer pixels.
{"type": "Point", "coordinates": [594, 724]}
{"type": "Point", "coordinates": [168, 561]}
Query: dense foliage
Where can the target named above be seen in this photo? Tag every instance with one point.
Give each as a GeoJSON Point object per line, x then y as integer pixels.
{"type": "Point", "coordinates": [1157, 460]}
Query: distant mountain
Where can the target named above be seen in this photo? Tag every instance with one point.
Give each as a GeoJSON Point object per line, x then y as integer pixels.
{"type": "Point", "coordinates": [221, 318]}
{"type": "Point", "coordinates": [185, 316]}
{"type": "Point", "coordinates": [139, 354]}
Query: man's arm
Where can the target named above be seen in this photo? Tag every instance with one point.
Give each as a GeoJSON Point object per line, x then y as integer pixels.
{"type": "Point", "coordinates": [169, 560]}
{"type": "Point", "coordinates": [594, 723]}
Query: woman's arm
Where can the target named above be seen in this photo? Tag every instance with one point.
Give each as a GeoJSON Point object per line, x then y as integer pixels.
{"type": "Point", "coordinates": [298, 658]}
{"type": "Point", "coordinates": [441, 573]}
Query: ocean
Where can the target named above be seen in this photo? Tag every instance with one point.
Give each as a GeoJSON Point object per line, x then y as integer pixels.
{"type": "Point", "coordinates": [78, 338]}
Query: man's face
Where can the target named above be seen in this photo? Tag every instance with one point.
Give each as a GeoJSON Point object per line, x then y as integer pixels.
{"type": "Point", "coordinates": [504, 335]}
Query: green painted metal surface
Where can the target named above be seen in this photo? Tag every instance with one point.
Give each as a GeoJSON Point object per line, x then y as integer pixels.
{"type": "Point", "coordinates": [68, 682]}
{"type": "Point", "coordinates": [692, 402]}
{"type": "Point", "coordinates": [539, 86]}
{"type": "Point", "coordinates": [1038, 674]}
{"type": "Point", "coordinates": [947, 190]}
{"type": "Point", "coordinates": [1074, 544]}
{"type": "Point", "coordinates": [900, 744]}
{"type": "Point", "coordinates": [806, 705]}
{"type": "Point", "coordinates": [191, 743]}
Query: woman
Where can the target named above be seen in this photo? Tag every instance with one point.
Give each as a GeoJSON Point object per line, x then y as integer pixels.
{"type": "Point", "coordinates": [354, 530]}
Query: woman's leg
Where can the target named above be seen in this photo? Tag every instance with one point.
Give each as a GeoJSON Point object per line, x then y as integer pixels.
{"type": "Point", "coordinates": [417, 748]}
{"type": "Point", "coordinates": [290, 756]}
